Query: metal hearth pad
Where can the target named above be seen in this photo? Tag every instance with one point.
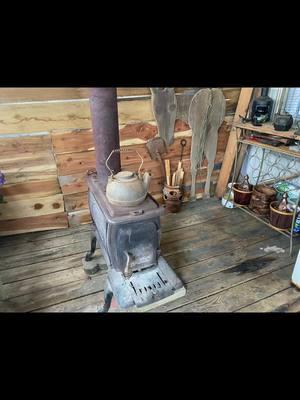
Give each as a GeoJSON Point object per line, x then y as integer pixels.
{"type": "Point", "coordinates": [152, 286]}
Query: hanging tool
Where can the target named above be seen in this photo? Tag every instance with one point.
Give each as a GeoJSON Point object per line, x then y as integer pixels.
{"type": "Point", "coordinates": [156, 148]}
{"type": "Point", "coordinates": [168, 172]}
{"type": "Point", "coordinates": [215, 118]}
{"type": "Point", "coordinates": [199, 108]}
{"type": "Point", "coordinates": [164, 107]}
{"type": "Point", "coordinates": [182, 144]}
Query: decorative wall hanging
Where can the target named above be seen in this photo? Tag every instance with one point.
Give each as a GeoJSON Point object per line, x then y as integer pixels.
{"type": "Point", "coordinates": [164, 107]}
{"type": "Point", "coordinates": [206, 114]}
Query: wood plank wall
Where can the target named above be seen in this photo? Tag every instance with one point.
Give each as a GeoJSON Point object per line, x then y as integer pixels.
{"type": "Point", "coordinates": [46, 147]}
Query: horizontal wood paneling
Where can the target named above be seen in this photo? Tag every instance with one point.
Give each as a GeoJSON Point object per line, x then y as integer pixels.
{"type": "Point", "coordinates": [76, 202]}
{"type": "Point", "coordinates": [30, 189]}
{"type": "Point", "coordinates": [75, 183]}
{"type": "Point", "coordinates": [32, 207]}
{"type": "Point", "coordinates": [79, 217]}
{"type": "Point", "coordinates": [34, 224]}
{"type": "Point", "coordinates": [74, 163]}
{"type": "Point", "coordinates": [74, 141]}
{"type": "Point", "coordinates": [45, 116]}
{"type": "Point", "coordinates": [55, 162]}
{"type": "Point", "coordinates": [82, 139]}
{"type": "Point", "coordinates": [24, 144]}
{"type": "Point", "coordinates": [25, 167]}
{"type": "Point", "coordinates": [10, 95]}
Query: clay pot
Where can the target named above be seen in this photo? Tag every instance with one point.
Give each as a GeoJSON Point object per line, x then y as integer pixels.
{"type": "Point", "coordinates": [280, 219]}
{"type": "Point", "coordinates": [261, 198]}
{"type": "Point", "coordinates": [241, 196]}
{"type": "Point", "coordinates": [173, 198]}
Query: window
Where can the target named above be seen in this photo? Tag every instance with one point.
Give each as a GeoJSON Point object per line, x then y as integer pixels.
{"type": "Point", "coordinates": [292, 104]}
{"type": "Point", "coordinates": [287, 99]}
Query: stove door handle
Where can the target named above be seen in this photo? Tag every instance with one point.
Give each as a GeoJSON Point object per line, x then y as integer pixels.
{"type": "Point", "coordinates": [137, 212]}
{"type": "Point", "coordinates": [128, 268]}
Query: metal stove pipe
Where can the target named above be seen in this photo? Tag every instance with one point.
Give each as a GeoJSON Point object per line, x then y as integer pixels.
{"type": "Point", "coordinates": [104, 114]}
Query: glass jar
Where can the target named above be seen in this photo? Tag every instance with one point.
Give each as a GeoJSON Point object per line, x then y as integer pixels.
{"type": "Point", "coordinates": [227, 199]}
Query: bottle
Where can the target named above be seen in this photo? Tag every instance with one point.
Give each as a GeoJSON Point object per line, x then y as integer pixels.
{"type": "Point", "coordinates": [227, 199]}
{"type": "Point", "coordinates": [245, 184]}
{"type": "Point", "coordinates": [283, 205]}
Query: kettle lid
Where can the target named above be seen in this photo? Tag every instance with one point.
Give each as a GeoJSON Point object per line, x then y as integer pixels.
{"type": "Point", "coordinates": [125, 176]}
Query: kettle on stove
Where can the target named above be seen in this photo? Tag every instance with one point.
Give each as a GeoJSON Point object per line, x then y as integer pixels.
{"type": "Point", "coordinates": [126, 188]}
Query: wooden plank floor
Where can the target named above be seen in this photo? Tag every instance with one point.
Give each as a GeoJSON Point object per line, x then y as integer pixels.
{"type": "Point", "coordinates": [220, 254]}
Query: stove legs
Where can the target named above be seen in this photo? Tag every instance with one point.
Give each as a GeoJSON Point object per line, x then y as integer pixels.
{"type": "Point", "coordinates": [108, 295]}
{"type": "Point", "coordinates": [89, 254]}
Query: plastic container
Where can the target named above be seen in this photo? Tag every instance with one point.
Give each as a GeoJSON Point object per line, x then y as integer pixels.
{"type": "Point", "coordinates": [297, 224]}
{"type": "Point", "coordinates": [291, 189]}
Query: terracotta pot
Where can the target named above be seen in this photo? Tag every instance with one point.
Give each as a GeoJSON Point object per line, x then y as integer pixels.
{"type": "Point", "coordinates": [242, 197]}
{"type": "Point", "coordinates": [173, 198]}
{"type": "Point", "coordinates": [261, 198]}
{"type": "Point", "coordinates": [280, 219]}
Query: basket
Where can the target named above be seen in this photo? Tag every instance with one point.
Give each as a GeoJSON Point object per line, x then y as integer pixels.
{"type": "Point", "coordinates": [280, 219]}
{"type": "Point", "coordinates": [261, 198]}
{"type": "Point", "coordinates": [242, 197]}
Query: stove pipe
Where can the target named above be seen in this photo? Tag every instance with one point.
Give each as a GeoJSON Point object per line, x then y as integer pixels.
{"type": "Point", "coordinates": [104, 114]}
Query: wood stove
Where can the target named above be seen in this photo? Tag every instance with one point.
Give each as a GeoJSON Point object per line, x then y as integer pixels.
{"type": "Point", "coordinates": [129, 237]}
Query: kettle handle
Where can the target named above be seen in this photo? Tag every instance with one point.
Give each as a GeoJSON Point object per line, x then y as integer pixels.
{"type": "Point", "coordinates": [123, 150]}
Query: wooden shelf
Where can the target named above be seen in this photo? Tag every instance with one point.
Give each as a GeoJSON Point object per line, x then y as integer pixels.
{"type": "Point", "coordinates": [279, 149]}
{"type": "Point", "coordinates": [268, 129]}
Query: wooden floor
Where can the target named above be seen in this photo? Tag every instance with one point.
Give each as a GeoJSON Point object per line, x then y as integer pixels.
{"type": "Point", "coordinates": [220, 254]}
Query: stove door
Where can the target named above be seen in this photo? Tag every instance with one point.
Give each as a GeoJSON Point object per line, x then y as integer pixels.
{"type": "Point", "coordinates": [139, 240]}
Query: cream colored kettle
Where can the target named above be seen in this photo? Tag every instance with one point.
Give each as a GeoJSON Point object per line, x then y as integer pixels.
{"type": "Point", "coordinates": [126, 188]}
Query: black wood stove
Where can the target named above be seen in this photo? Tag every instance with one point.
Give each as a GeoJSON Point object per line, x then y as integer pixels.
{"type": "Point", "coordinates": [129, 237]}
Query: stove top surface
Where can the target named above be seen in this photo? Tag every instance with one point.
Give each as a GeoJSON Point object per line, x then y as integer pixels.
{"type": "Point", "coordinates": [117, 213]}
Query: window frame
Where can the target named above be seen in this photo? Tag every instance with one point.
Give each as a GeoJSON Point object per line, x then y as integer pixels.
{"type": "Point", "coordinates": [280, 96]}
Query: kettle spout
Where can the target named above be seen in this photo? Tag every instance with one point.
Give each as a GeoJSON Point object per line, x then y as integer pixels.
{"type": "Point", "coordinates": [146, 181]}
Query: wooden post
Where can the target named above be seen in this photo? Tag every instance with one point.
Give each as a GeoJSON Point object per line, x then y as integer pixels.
{"type": "Point", "coordinates": [244, 147]}
{"type": "Point", "coordinates": [229, 155]}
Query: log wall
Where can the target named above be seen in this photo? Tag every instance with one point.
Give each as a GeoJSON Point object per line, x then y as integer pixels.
{"type": "Point", "coordinates": [46, 147]}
